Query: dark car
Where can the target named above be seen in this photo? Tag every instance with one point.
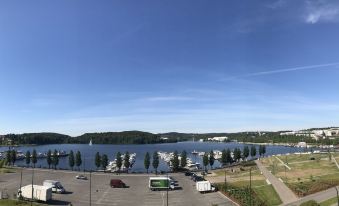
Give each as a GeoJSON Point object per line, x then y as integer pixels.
{"type": "Point", "coordinates": [116, 183]}
{"type": "Point", "coordinates": [188, 173]}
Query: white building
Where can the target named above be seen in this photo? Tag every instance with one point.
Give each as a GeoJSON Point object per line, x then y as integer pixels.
{"type": "Point", "coordinates": [218, 139]}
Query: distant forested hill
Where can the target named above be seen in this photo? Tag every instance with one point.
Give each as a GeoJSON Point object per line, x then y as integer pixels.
{"type": "Point", "coordinates": [127, 137]}
{"type": "Point", "coordinates": [36, 138]}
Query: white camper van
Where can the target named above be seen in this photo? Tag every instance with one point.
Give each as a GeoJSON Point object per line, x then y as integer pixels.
{"type": "Point", "coordinates": [41, 193]}
{"type": "Point", "coordinates": [55, 185]}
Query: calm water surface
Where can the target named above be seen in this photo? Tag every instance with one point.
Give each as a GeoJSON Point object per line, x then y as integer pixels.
{"type": "Point", "coordinates": [88, 152]}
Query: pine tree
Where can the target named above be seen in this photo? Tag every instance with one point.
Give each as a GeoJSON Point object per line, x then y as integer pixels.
{"type": "Point", "coordinates": [71, 160]}
{"type": "Point", "coordinates": [228, 156]}
{"type": "Point", "coordinates": [8, 157]}
{"type": "Point", "coordinates": [205, 160]}
{"type": "Point", "coordinates": [49, 158]}
{"type": "Point", "coordinates": [253, 151]}
{"type": "Point", "coordinates": [264, 150]}
{"type": "Point", "coordinates": [183, 161]}
{"type": "Point", "coordinates": [28, 158]}
{"type": "Point", "coordinates": [175, 161]}
{"type": "Point", "coordinates": [246, 152]}
{"type": "Point", "coordinates": [13, 156]}
{"type": "Point", "coordinates": [34, 158]}
{"type": "Point", "coordinates": [78, 160]}
{"type": "Point", "coordinates": [97, 160]}
{"type": "Point", "coordinates": [126, 161]}
{"type": "Point", "coordinates": [104, 162]}
{"type": "Point", "coordinates": [119, 161]}
{"type": "Point", "coordinates": [211, 159]}
{"type": "Point", "coordinates": [55, 158]}
{"type": "Point", "coordinates": [147, 161]}
{"type": "Point", "coordinates": [223, 157]}
{"type": "Point", "coordinates": [155, 162]}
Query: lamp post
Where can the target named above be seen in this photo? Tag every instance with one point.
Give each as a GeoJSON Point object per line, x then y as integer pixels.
{"type": "Point", "coordinates": [225, 182]}
{"type": "Point", "coordinates": [32, 185]}
{"type": "Point", "coordinates": [250, 186]}
{"type": "Point", "coordinates": [168, 185]}
{"type": "Point", "coordinates": [90, 187]}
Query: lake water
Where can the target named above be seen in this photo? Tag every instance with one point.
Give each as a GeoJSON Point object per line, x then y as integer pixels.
{"type": "Point", "coordinates": [88, 152]}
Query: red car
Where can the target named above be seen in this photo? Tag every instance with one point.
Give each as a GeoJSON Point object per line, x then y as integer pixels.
{"type": "Point", "coordinates": [116, 183]}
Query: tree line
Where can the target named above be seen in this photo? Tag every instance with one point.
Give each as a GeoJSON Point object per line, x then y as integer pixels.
{"type": "Point", "coordinates": [127, 137]}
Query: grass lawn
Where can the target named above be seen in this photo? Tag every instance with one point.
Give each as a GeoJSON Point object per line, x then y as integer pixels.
{"type": "Point", "coordinates": [239, 176]}
{"type": "Point", "coordinates": [310, 173]}
{"type": "Point", "coordinates": [16, 203]}
{"type": "Point", "coordinates": [268, 195]}
{"type": "Point", "coordinates": [329, 202]}
{"type": "Point", "coordinates": [7, 170]}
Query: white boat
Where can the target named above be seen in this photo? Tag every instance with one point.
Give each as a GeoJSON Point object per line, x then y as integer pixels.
{"type": "Point", "coordinates": [195, 152]}
{"type": "Point", "coordinates": [90, 143]}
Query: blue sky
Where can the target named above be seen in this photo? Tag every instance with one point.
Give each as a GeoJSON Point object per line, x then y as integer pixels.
{"type": "Point", "coordinates": [159, 66]}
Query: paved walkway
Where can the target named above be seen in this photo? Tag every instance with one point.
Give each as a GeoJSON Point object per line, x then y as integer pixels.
{"type": "Point", "coordinates": [283, 163]}
{"type": "Point", "coordinates": [285, 194]}
{"type": "Point", "coordinates": [319, 197]}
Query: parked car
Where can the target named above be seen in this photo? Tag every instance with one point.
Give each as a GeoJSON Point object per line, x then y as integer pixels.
{"type": "Point", "coordinates": [188, 173]}
{"type": "Point", "coordinates": [117, 183]}
{"type": "Point", "coordinates": [55, 185]}
{"type": "Point", "coordinates": [81, 177]}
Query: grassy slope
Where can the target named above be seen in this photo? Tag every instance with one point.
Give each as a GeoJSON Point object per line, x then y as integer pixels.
{"type": "Point", "coordinates": [16, 203]}
{"type": "Point", "coordinates": [329, 202]}
{"type": "Point", "coordinates": [268, 195]}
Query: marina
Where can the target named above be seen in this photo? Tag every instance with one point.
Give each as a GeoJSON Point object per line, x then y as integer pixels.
{"type": "Point", "coordinates": [195, 151]}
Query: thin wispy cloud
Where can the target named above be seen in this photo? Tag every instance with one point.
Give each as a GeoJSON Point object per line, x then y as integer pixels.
{"type": "Point", "coordinates": [322, 11]}
{"type": "Point", "coordinates": [334, 65]}
{"type": "Point", "coordinates": [276, 4]}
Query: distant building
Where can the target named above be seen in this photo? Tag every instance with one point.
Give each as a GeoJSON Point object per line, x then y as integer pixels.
{"type": "Point", "coordinates": [302, 144]}
{"type": "Point", "coordinates": [218, 139]}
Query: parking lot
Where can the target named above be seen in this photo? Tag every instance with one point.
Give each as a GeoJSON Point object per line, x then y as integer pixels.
{"type": "Point", "coordinates": [137, 193]}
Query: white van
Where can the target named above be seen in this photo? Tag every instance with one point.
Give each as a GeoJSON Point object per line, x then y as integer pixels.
{"type": "Point", "coordinates": [40, 193]}
{"type": "Point", "coordinates": [55, 185]}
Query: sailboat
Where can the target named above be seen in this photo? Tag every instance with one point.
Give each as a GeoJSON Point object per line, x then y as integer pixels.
{"type": "Point", "coordinates": [90, 143]}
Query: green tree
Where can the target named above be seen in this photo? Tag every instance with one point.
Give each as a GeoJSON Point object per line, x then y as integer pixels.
{"type": "Point", "coordinates": [211, 159]}
{"type": "Point", "coordinates": [175, 161]}
{"type": "Point", "coordinates": [126, 161]}
{"type": "Point", "coordinates": [147, 161]}
{"type": "Point", "coordinates": [205, 160]}
{"type": "Point", "coordinates": [236, 154]}
{"type": "Point", "coordinates": [183, 161]}
{"type": "Point", "coordinates": [253, 151]}
{"type": "Point", "coordinates": [119, 161]}
{"type": "Point", "coordinates": [104, 161]}
{"type": "Point", "coordinates": [97, 160]}
{"type": "Point", "coordinates": [8, 157]}
{"type": "Point", "coordinates": [71, 160]}
{"type": "Point", "coordinates": [246, 152]}
{"type": "Point", "coordinates": [228, 156]}
{"type": "Point", "coordinates": [13, 156]}
{"type": "Point", "coordinates": [263, 150]}
{"type": "Point", "coordinates": [155, 162]}
{"type": "Point", "coordinates": [28, 158]}
{"type": "Point", "coordinates": [223, 157]}
{"type": "Point", "coordinates": [34, 158]}
{"type": "Point", "coordinates": [49, 158]}
{"type": "Point", "coordinates": [55, 158]}
{"type": "Point", "coordinates": [78, 160]}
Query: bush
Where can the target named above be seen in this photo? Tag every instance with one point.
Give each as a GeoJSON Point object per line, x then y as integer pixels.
{"type": "Point", "coordinates": [310, 203]}
{"type": "Point", "coordinates": [2, 163]}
